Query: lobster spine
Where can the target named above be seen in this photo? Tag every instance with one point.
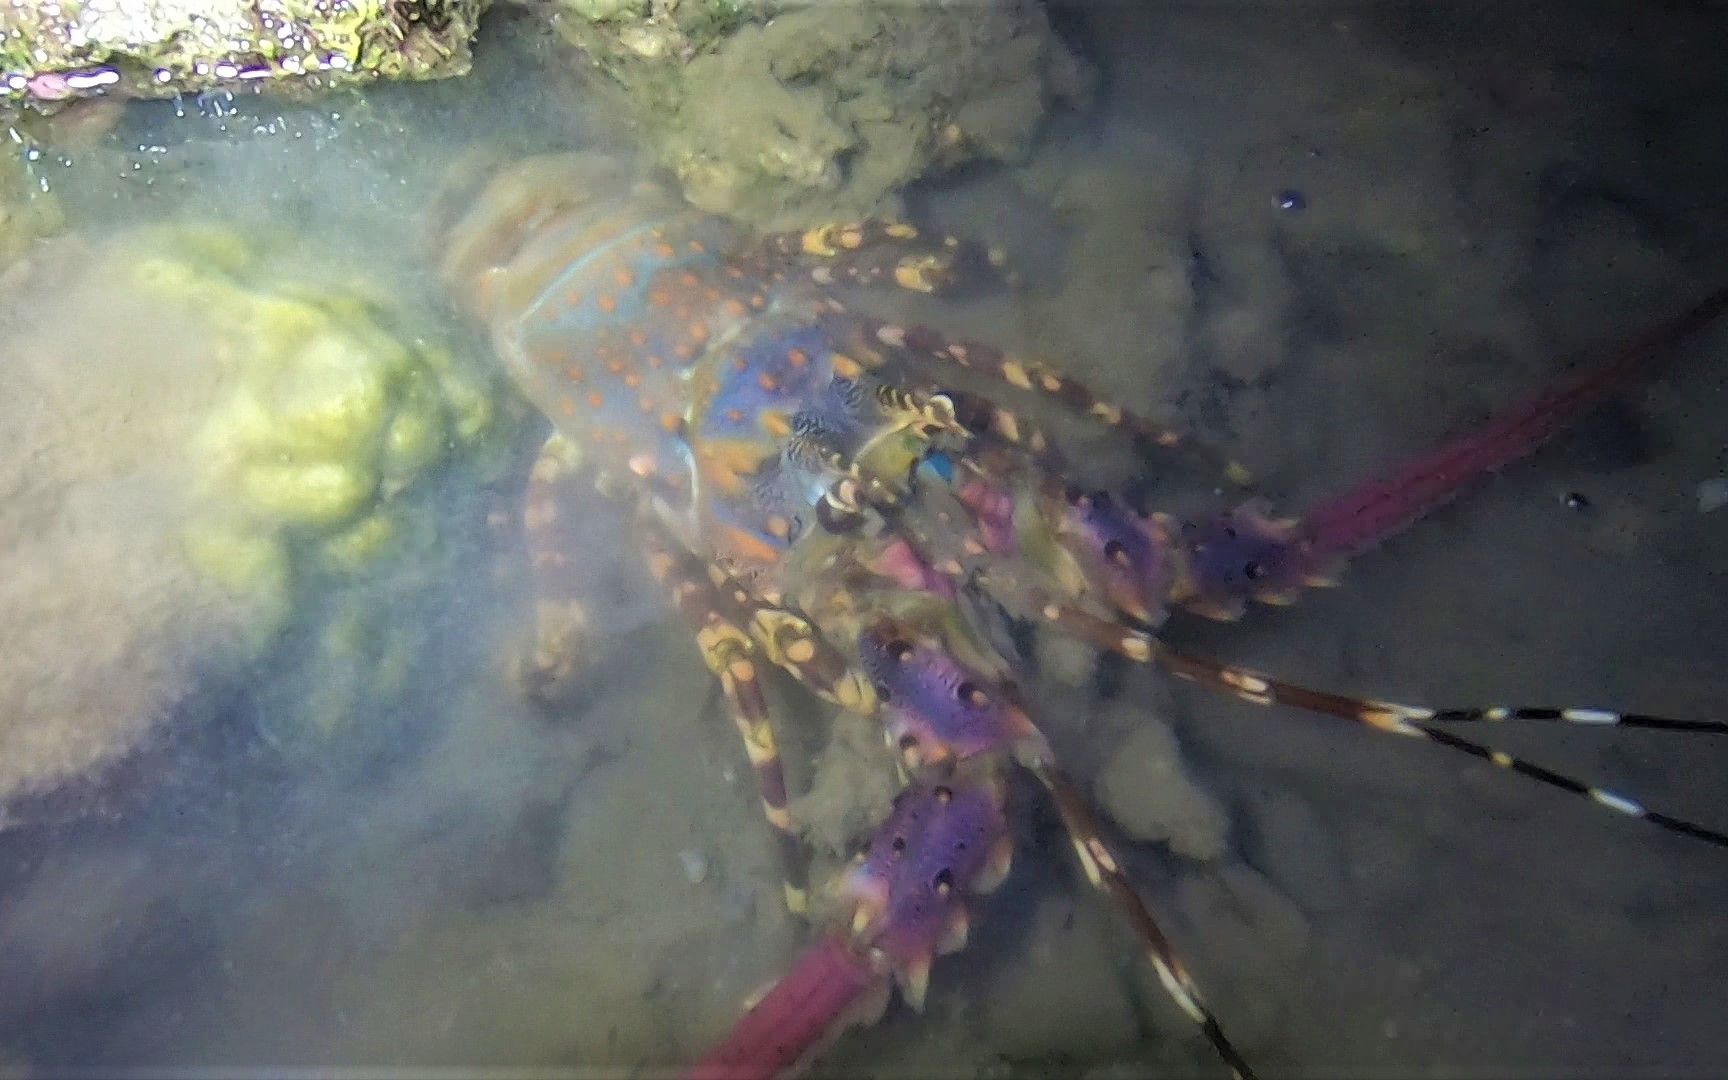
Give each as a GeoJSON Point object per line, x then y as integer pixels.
{"type": "Point", "coordinates": [1358, 520]}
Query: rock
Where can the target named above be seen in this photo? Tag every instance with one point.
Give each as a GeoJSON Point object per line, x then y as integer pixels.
{"type": "Point", "coordinates": [785, 117]}
{"type": "Point", "coordinates": [1062, 994]}
{"type": "Point", "coordinates": [1147, 792]}
{"type": "Point", "coordinates": [1294, 848]}
{"type": "Point", "coordinates": [1245, 942]}
{"type": "Point", "coordinates": [1713, 494]}
{"type": "Point", "coordinates": [854, 784]}
{"type": "Point", "coordinates": [51, 52]}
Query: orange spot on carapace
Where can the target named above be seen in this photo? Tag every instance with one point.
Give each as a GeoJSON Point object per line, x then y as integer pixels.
{"type": "Point", "coordinates": [664, 250]}
{"type": "Point", "coordinates": [735, 415]}
{"type": "Point", "coordinates": [671, 421]}
{"type": "Point", "coordinates": [567, 407]}
{"type": "Point", "coordinates": [735, 308]}
{"type": "Point", "coordinates": [607, 303]}
{"type": "Point", "coordinates": [768, 382]}
{"type": "Point", "coordinates": [623, 277]}
{"type": "Point", "coordinates": [797, 357]}
{"type": "Point", "coordinates": [698, 332]}
{"type": "Point", "coordinates": [659, 298]}
{"type": "Point", "coordinates": [638, 338]}
{"type": "Point", "coordinates": [632, 380]}
{"type": "Point", "coordinates": [747, 545]}
{"type": "Point", "coordinates": [596, 399]}
{"type": "Point", "coordinates": [683, 352]}
{"type": "Point", "coordinates": [757, 301]}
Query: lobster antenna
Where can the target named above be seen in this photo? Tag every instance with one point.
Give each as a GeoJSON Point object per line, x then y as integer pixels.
{"type": "Point", "coordinates": [1393, 718]}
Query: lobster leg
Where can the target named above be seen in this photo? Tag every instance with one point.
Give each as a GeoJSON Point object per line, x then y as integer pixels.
{"type": "Point", "coordinates": [874, 252]}
{"type": "Point", "coordinates": [561, 618]}
{"type": "Point", "coordinates": [1105, 874]}
{"type": "Point", "coordinates": [728, 651]}
{"type": "Point", "coordinates": [922, 344]}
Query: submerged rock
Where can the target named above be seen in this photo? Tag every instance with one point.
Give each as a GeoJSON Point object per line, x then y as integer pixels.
{"type": "Point", "coordinates": [784, 114]}
{"type": "Point", "coordinates": [1146, 790]}
{"type": "Point", "coordinates": [51, 50]}
{"type": "Point", "coordinates": [203, 461]}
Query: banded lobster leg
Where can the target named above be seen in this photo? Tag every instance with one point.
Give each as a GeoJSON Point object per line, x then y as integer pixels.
{"type": "Point", "coordinates": [923, 345]}
{"type": "Point", "coordinates": [722, 619]}
{"type": "Point", "coordinates": [956, 730]}
{"type": "Point", "coordinates": [730, 653]}
{"type": "Point", "coordinates": [874, 252]}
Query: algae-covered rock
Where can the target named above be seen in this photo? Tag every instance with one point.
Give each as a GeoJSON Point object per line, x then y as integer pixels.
{"type": "Point", "coordinates": [782, 114]}
{"type": "Point", "coordinates": [215, 446]}
{"type": "Point", "coordinates": [51, 50]}
{"type": "Point", "coordinates": [106, 627]}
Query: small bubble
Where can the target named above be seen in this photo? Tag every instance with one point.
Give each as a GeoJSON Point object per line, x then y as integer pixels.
{"type": "Point", "coordinates": [1292, 200]}
{"type": "Point", "coordinates": [1713, 494]}
{"type": "Point", "coordinates": [695, 866]}
{"type": "Point", "coordinates": [1576, 500]}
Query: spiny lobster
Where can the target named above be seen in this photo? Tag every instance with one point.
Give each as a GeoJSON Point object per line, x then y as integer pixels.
{"type": "Point", "coordinates": [815, 497]}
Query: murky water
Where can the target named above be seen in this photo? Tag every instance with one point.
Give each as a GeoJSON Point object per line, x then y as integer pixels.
{"type": "Point", "coordinates": [1326, 238]}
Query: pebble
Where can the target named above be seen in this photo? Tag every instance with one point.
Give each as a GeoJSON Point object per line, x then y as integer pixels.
{"type": "Point", "coordinates": [1713, 494]}
{"type": "Point", "coordinates": [1146, 790]}
{"type": "Point", "coordinates": [695, 866]}
{"type": "Point", "coordinates": [1292, 200]}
